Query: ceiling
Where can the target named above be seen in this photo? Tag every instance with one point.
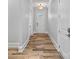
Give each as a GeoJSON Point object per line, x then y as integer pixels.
{"type": "Point", "coordinates": [40, 0]}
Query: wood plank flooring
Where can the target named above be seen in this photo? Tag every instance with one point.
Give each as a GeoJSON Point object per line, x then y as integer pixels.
{"type": "Point", "coordinates": [39, 47]}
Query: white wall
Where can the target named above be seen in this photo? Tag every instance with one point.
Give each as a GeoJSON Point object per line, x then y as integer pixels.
{"type": "Point", "coordinates": [14, 19]}
{"type": "Point", "coordinates": [18, 18]}
{"type": "Point", "coordinates": [59, 22]}
{"type": "Point", "coordinates": [24, 21]}
{"type": "Point", "coordinates": [64, 24]}
{"type": "Point", "coordinates": [52, 18]}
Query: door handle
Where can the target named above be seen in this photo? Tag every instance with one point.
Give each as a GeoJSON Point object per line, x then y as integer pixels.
{"type": "Point", "coordinates": [68, 30]}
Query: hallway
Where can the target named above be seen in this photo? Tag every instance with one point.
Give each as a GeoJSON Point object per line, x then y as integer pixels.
{"type": "Point", "coordinates": [39, 47]}
{"type": "Point", "coordinates": [39, 29]}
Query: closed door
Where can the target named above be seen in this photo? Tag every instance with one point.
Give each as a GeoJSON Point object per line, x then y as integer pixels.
{"type": "Point", "coordinates": [40, 20]}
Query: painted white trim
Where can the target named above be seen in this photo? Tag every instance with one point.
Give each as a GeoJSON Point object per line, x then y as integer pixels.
{"type": "Point", "coordinates": [56, 45]}
{"type": "Point", "coordinates": [54, 42]}
{"type": "Point", "coordinates": [22, 47]}
{"type": "Point", "coordinates": [65, 56]}
{"type": "Point", "coordinates": [30, 32]}
{"type": "Point", "coordinates": [13, 45]}
{"type": "Point", "coordinates": [40, 32]}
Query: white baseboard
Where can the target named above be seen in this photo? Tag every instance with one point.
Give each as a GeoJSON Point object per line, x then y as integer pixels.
{"type": "Point", "coordinates": [13, 45]}
{"type": "Point", "coordinates": [56, 45]}
{"type": "Point", "coordinates": [54, 42]}
{"type": "Point", "coordinates": [41, 32]}
{"type": "Point", "coordinates": [22, 47]}
{"type": "Point", "coordinates": [64, 55]}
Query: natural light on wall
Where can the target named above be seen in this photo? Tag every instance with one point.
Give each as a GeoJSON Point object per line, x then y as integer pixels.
{"type": "Point", "coordinates": [40, 5]}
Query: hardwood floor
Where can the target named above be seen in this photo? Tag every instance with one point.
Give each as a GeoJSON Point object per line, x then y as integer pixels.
{"type": "Point", "coordinates": [39, 47]}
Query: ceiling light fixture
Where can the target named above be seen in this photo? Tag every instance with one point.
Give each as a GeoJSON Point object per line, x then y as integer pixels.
{"type": "Point", "coordinates": [40, 6]}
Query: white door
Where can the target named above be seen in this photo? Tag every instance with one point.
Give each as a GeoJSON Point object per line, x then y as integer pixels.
{"type": "Point", "coordinates": [40, 20]}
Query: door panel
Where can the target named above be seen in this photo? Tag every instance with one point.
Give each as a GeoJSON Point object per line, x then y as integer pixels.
{"type": "Point", "coordinates": [40, 20]}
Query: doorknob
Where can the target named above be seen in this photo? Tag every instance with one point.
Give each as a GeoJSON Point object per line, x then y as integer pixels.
{"type": "Point", "coordinates": [68, 30]}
